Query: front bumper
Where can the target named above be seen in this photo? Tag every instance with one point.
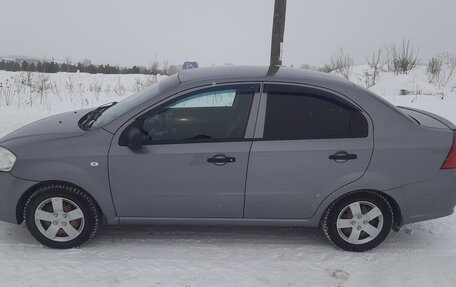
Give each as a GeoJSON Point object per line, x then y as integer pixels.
{"type": "Point", "coordinates": [433, 198]}
{"type": "Point", "coordinates": [11, 190]}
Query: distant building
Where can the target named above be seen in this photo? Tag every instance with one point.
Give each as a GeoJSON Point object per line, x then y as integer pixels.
{"type": "Point", "coordinates": [19, 60]}
{"type": "Point", "coordinates": [190, 65]}
{"type": "Point", "coordinates": [27, 60]}
{"type": "Point", "coordinates": [7, 59]}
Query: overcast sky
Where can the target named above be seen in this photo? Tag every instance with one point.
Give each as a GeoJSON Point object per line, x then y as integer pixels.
{"type": "Point", "coordinates": [135, 32]}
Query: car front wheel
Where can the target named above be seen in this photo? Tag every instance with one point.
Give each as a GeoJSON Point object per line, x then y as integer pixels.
{"type": "Point", "coordinates": [358, 222]}
{"type": "Point", "coordinates": [61, 216]}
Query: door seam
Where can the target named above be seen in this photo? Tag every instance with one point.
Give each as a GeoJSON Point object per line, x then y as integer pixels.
{"type": "Point", "coordinates": [250, 149]}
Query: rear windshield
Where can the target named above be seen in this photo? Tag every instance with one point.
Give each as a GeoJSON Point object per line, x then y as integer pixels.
{"type": "Point", "coordinates": [136, 100]}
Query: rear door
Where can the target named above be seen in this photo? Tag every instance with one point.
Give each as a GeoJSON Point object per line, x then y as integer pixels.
{"type": "Point", "coordinates": [309, 142]}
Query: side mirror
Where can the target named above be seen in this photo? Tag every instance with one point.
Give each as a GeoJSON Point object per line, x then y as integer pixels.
{"type": "Point", "coordinates": [134, 138]}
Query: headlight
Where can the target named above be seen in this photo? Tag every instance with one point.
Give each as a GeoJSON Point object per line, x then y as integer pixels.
{"type": "Point", "coordinates": [7, 159]}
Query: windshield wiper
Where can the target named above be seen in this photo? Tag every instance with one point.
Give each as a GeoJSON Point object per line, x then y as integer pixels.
{"type": "Point", "coordinates": [92, 116]}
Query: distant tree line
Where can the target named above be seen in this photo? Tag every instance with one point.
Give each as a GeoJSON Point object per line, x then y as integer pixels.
{"type": "Point", "coordinates": [86, 67]}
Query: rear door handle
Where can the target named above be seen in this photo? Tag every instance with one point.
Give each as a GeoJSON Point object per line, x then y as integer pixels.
{"type": "Point", "coordinates": [221, 159]}
{"type": "Point", "coordinates": [342, 156]}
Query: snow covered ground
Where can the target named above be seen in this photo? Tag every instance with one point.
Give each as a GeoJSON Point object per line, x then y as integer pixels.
{"type": "Point", "coordinates": [422, 254]}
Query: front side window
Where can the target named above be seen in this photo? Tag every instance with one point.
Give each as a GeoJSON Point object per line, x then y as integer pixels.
{"type": "Point", "coordinates": [213, 114]}
{"type": "Point", "coordinates": [223, 98]}
{"type": "Point", "coordinates": [303, 113]}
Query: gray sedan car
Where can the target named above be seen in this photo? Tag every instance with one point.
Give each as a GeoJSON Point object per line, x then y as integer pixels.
{"type": "Point", "coordinates": [232, 145]}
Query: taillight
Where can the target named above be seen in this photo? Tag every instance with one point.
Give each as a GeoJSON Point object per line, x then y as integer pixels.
{"type": "Point", "coordinates": [450, 161]}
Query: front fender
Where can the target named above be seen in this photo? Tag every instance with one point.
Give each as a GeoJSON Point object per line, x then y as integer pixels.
{"type": "Point", "coordinates": [80, 160]}
{"type": "Point", "coordinates": [93, 180]}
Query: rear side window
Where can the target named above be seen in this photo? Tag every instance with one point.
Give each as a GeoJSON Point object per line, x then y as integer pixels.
{"type": "Point", "coordinates": [303, 113]}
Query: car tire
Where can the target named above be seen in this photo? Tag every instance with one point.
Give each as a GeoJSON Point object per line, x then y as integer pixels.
{"type": "Point", "coordinates": [61, 216]}
{"type": "Point", "coordinates": [359, 221]}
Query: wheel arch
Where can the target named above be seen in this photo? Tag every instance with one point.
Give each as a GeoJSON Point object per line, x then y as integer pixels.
{"type": "Point", "coordinates": [26, 195]}
{"type": "Point", "coordinates": [397, 215]}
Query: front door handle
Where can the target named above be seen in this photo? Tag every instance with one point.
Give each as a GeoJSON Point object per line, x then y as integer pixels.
{"type": "Point", "coordinates": [342, 156]}
{"type": "Point", "coordinates": [221, 159]}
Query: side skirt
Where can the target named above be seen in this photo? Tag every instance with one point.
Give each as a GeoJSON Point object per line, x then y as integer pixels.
{"type": "Point", "coordinates": [217, 221]}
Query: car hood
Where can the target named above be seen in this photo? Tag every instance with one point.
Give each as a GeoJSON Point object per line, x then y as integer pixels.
{"type": "Point", "coordinates": [54, 127]}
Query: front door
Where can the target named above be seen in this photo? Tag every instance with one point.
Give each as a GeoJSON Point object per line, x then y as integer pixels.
{"type": "Point", "coordinates": [193, 162]}
{"type": "Point", "coordinates": [310, 143]}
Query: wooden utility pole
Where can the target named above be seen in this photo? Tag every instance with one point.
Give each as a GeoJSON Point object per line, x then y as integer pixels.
{"type": "Point", "coordinates": [278, 29]}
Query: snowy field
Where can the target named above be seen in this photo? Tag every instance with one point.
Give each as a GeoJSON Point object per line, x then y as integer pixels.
{"type": "Point", "coordinates": [422, 254]}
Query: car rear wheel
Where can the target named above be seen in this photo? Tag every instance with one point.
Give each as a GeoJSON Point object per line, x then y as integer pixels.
{"type": "Point", "coordinates": [358, 222]}
{"type": "Point", "coordinates": [61, 216]}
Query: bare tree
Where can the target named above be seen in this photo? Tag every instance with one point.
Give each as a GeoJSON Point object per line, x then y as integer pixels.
{"type": "Point", "coordinates": [165, 67]}
{"type": "Point", "coordinates": [340, 63]}
{"type": "Point", "coordinates": [441, 69]}
{"type": "Point", "coordinates": [374, 69]}
{"type": "Point", "coordinates": [154, 67]}
{"type": "Point", "coordinates": [434, 69]}
{"type": "Point", "coordinates": [28, 79]}
{"type": "Point", "coordinates": [325, 69]}
{"type": "Point", "coordinates": [450, 70]}
{"type": "Point", "coordinates": [402, 59]}
{"type": "Point", "coordinates": [119, 89]}
{"type": "Point", "coordinates": [41, 84]}
{"type": "Point", "coordinates": [6, 92]}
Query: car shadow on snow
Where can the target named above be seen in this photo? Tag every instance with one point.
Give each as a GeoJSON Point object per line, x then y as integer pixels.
{"type": "Point", "coordinates": [213, 234]}
{"type": "Point", "coordinates": [12, 234]}
{"type": "Point", "coordinates": [434, 235]}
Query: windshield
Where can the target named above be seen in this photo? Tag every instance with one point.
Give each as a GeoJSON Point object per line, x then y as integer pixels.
{"type": "Point", "coordinates": [135, 100]}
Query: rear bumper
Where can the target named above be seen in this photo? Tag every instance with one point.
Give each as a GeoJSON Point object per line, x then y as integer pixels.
{"type": "Point", "coordinates": [426, 200]}
{"type": "Point", "coordinates": [11, 190]}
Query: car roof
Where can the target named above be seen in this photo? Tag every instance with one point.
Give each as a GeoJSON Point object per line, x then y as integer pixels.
{"type": "Point", "coordinates": [257, 73]}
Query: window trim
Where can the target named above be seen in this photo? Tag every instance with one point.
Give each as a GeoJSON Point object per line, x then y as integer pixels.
{"type": "Point", "coordinates": [249, 129]}
{"type": "Point", "coordinates": [259, 132]}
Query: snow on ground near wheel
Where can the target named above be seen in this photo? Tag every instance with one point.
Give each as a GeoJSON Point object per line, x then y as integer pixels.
{"type": "Point", "coordinates": [422, 254]}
